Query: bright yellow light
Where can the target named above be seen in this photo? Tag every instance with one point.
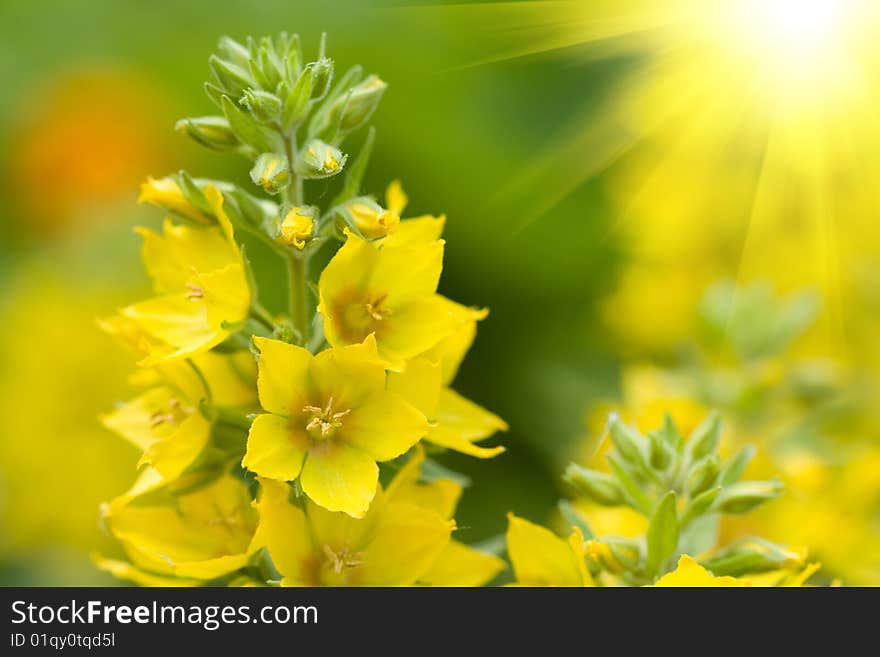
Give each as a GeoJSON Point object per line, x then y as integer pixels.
{"type": "Point", "coordinates": [801, 25]}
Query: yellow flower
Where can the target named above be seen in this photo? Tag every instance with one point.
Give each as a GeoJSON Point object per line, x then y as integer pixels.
{"type": "Point", "coordinates": [389, 292]}
{"type": "Point", "coordinates": [329, 420]}
{"type": "Point", "coordinates": [297, 227]}
{"type": "Point", "coordinates": [690, 573]}
{"type": "Point", "coordinates": [393, 545]}
{"type": "Point", "coordinates": [457, 423]}
{"type": "Point", "coordinates": [541, 558]}
{"type": "Point", "coordinates": [203, 291]}
{"type": "Point", "coordinates": [199, 536]}
{"type": "Point", "coordinates": [165, 193]}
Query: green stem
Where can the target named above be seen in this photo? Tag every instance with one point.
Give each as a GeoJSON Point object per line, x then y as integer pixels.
{"type": "Point", "coordinates": [262, 315]}
{"type": "Point", "coordinates": [297, 283]}
{"type": "Point", "coordinates": [297, 262]}
{"type": "Point", "coordinates": [209, 397]}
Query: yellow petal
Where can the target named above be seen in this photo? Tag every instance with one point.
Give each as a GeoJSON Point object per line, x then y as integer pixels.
{"type": "Point", "coordinates": [385, 427]}
{"type": "Point", "coordinates": [415, 232]}
{"type": "Point", "coordinates": [133, 420]}
{"type": "Point", "coordinates": [165, 193]}
{"type": "Point", "coordinates": [284, 531]}
{"type": "Point", "coordinates": [174, 453]}
{"type": "Point", "coordinates": [177, 326]}
{"type": "Point", "coordinates": [690, 573]}
{"type": "Point", "coordinates": [215, 200]}
{"type": "Point", "coordinates": [414, 328]}
{"type": "Point", "coordinates": [451, 350]}
{"type": "Point", "coordinates": [201, 535]}
{"type": "Point", "coordinates": [226, 294]}
{"type": "Point", "coordinates": [395, 198]}
{"type": "Point", "coordinates": [351, 375]}
{"type": "Point", "coordinates": [127, 571]}
{"type": "Point", "coordinates": [461, 422]}
{"type": "Point", "coordinates": [406, 542]}
{"type": "Point", "coordinates": [461, 565]}
{"type": "Point", "coordinates": [199, 249]}
{"type": "Point", "coordinates": [419, 383]}
{"type": "Point", "coordinates": [274, 449]}
{"type": "Point", "coordinates": [167, 273]}
{"type": "Point", "coordinates": [539, 557]}
{"type": "Point", "coordinates": [283, 379]}
{"type": "Point", "coordinates": [407, 273]}
{"type": "Point", "coordinates": [340, 478]}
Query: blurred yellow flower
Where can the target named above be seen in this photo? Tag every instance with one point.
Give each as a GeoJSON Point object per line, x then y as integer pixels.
{"type": "Point", "coordinates": [329, 420]}
{"type": "Point", "coordinates": [199, 535]}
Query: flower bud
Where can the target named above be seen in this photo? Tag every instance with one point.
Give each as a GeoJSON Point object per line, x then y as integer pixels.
{"type": "Point", "coordinates": [234, 52]}
{"type": "Point", "coordinates": [660, 453]}
{"type": "Point", "coordinates": [320, 160]}
{"type": "Point", "coordinates": [322, 76]}
{"type": "Point", "coordinates": [233, 78]}
{"type": "Point", "coordinates": [263, 106]}
{"type": "Point", "coordinates": [628, 443]}
{"type": "Point", "coordinates": [166, 193]}
{"type": "Point", "coordinates": [361, 102]}
{"type": "Point", "coordinates": [271, 172]}
{"type": "Point", "coordinates": [746, 495]}
{"type": "Point", "coordinates": [598, 486]}
{"type": "Point", "coordinates": [753, 555]}
{"type": "Point", "coordinates": [211, 131]}
{"type": "Point", "coordinates": [372, 220]}
{"type": "Point", "coordinates": [296, 103]}
{"type": "Point", "coordinates": [704, 439]}
{"type": "Point", "coordinates": [297, 226]}
{"type": "Point", "coordinates": [702, 475]}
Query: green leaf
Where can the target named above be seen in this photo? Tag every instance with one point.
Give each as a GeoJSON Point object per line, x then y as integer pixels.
{"type": "Point", "coordinates": [736, 467]}
{"type": "Point", "coordinates": [699, 505]}
{"type": "Point", "coordinates": [296, 105]}
{"type": "Point", "coordinates": [234, 79]}
{"type": "Point", "coordinates": [704, 439]}
{"type": "Point", "coordinates": [744, 496]}
{"type": "Point", "coordinates": [663, 533]}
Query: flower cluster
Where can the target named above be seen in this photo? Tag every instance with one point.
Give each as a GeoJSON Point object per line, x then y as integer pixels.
{"type": "Point", "coordinates": [264, 435]}
{"type": "Point", "coordinates": [293, 447]}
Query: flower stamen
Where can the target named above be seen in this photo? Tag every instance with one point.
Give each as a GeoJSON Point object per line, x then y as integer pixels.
{"type": "Point", "coordinates": [325, 418]}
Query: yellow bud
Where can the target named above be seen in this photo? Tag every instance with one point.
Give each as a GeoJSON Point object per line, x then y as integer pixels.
{"type": "Point", "coordinates": [373, 222]}
{"type": "Point", "coordinates": [297, 227]}
{"type": "Point", "coordinates": [165, 193]}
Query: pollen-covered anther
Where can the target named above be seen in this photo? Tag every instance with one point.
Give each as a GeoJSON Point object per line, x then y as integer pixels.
{"type": "Point", "coordinates": [171, 415]}
{"type": "Point", "coordinates": [376, 310]}
{"type": "Point", "coordinates": [342, 560]}
{"type": "Point", "coordinates": [195, 292]}
{"type": "Point", "coordinates": [325, 419]}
